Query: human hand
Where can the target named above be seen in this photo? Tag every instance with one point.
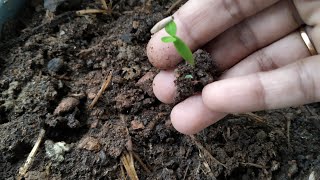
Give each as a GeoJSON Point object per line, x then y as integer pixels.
{"type": "Point", "coordinates": [257, 43]}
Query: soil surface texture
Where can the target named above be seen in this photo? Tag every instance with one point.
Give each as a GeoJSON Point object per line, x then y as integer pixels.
{"type": "Point", "coordinates": [52, 67]}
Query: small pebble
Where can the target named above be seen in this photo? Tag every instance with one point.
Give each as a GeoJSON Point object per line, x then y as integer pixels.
{"type": "Point", "coordinates": [261, 136]}
{"type": "Point", "coordinates": [55, 65]}
{"type": "Point", "coordinates": [135, 124]}
{"type": "Point", "coordinates": [62, 32]}
{"type": "Point", "coordinates": [147, 77]}
{"type": "Point", "coordinates": [91, 95]}
{"type": "Point", "coordinates": [135, 24]}
{"type": "Point", "coordinates": [129, 144]}
{"type": "Point", "coordinates": [293, 168]}
{"type": "Point", "coordinates": [275, 166]}
{"type": "Point", "coordinates": [90, 144]}
{"type": "Point", "coordinates": [127, 37]}
{"type": "Point", "coordinates": [103, 157]}
{"type": "Point", "coordinates": [312, 176]}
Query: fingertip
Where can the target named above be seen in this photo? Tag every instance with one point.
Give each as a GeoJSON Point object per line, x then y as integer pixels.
{"type": "Point", "coordinates": [212, 97]}
{"type": "Point", "coordinates": [206, 95]}
{"type": "Point", "coordinates": [191, 116]}
{"type": "Point", "coordinates": [164, 87]}
{"type": "Point", "coordinates": [183, 121]}
{"type": "Point", "coordinates": [162, 55]}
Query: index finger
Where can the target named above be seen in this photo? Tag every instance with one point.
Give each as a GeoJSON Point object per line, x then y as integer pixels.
{"type": "Point", "coordinates": [198, 22]}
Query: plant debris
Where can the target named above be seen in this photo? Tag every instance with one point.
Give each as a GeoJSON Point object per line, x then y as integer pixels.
{"type": "Point", "coordinates": [104, 86]}
{"type": "Point", "coordinates": [24, 169]}
{"type": "Point", "coordinates": [128, 163]}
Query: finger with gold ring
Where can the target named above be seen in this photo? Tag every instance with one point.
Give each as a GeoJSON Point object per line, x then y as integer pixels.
{"type": "Point", "coordinates": [308, 41]}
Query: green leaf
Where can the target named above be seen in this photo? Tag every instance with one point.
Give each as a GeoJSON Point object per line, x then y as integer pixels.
{"type": "Point", "coordinates": [188, 76]}
{"type": "Point", "coordinates": [171, 28]}
{"type": "Point", "coordinates": [184, 51]}
{"type": "Point", "coordinates": [168, 39]}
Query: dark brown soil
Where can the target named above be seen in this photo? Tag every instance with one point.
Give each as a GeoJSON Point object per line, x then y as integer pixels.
{"type": "Point", "coordinates": [38, 91]}
{"type": "Point", "coordinates": [192, 79]}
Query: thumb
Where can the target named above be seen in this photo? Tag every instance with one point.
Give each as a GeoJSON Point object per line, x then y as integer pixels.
{"type": "Point", "coordinates": [292, 85]}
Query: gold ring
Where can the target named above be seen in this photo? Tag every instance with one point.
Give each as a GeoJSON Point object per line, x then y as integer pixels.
{"type": "Point", "coordinates": [308, 42]}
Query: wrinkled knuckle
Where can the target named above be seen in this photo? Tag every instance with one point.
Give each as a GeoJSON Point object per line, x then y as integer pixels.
{"type": "Point", "coordinates": [294, 13]}
{"type": "Point", "coordinates": [247, 37]}
{"type": "Point", "coordinates": [265, 62]}
{"type": "Point", "coordinates": [234, 8]}
{"type": "Point", "coordinates": [306, 82]}
{"type": "Point", "coordinates": [206, 96]}
{"type": "Point", "coordinates": [185, 27]}
{"type": "Point", "coordinates": [314, 35]}
{"type": "Point", "coordinates": [260, 93]}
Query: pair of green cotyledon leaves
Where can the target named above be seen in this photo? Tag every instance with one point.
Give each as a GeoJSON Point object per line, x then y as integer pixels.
{"type": "Point", "coordinates": [181, 47]}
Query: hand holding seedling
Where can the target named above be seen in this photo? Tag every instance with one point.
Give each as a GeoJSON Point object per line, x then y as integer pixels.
{"type": "Point", "coordinates": [266, 62]}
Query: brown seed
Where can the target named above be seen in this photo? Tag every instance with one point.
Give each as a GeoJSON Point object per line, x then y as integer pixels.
{"type": "Point", "coordinates": [67, 104]}
{"type": "Point", "coordinates": [161, 24]}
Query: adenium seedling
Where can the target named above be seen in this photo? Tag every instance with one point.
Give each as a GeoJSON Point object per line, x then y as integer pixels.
{"type": "Point", "coordinates": [181, 47]}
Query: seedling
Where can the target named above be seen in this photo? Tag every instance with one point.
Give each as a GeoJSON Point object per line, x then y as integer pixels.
{"type": "Point", "coordinates": [181, 47]}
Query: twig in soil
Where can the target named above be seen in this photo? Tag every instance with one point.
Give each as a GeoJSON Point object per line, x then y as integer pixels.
{"type": "Point", "coordinates": [199, 145]}
{"type": "Point", "coordinates": [23, 170]}
{"type": "Point", "coordinates": [85, 52]}
{"type": "Point", "coordinates": [198, 169]}
{"type": "Point", "coordinates": [186, 172]}
{"type": "Point", "coordinates": [147, 5]}
{"type": "Point", "coordinates": [288, 131]}
{"type": "Point", "coordinates": [102, 89]}
{"type": "Point", "coordinates": [228, 132]}
{"type": "Point", "coordinates": [129, 147]}
{"type": "Point", "coordinates": [127, 161]}
{"type": "Point", "coordinates": [144, 166]}
{"type": "Point", "coordinates": [254, 165]}
{"type": "Point", "coordinates": [152, 124]}
{"type": "Point", "coordinates": [173, 6]}
{"type": "Point", "coordinates": [104, 4]}
{"type": "Point", "coordinates": [105, 10]}
{"type": "Point", "coordinates": [288, 117]}
{"type": "Point", "coordinates": [91, 11]}
{"type": "Point", "coordinates": [122, 174]}
{"type": "Point", "coordinates": [62, 77]}
{"type": "Point", "coordinates": [254, 117]}
{"type": "Point", "coordinates": [311, 112]}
